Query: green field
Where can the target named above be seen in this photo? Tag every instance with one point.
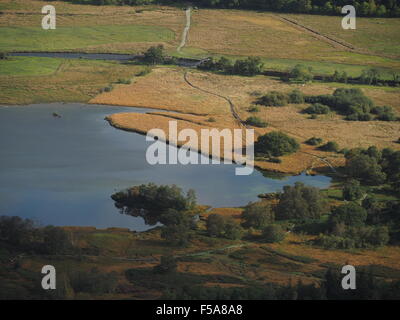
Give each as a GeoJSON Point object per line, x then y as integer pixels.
{"type": "Point", "coordinates": [25, 80]}
{"type": "Point", "coordinates": [25, 66]}
{"type": "Point", "coordinates": [68, 38]}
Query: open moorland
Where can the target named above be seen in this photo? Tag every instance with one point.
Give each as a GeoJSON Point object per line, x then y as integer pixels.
{"type": "Point", "coordinates": [124, 264]}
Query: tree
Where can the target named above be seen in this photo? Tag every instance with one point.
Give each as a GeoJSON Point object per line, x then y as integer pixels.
{"type": "Point", "coordinates": [317, 108]}
{"type": "Point", "coordinates": [16, 231]}
{"type": "Point", "coordinates": [55, 240]}
{"type": "Point", "coordinates": [167, 264]}
{"type": "Point", "coordinates": [296, 96]}
{"type": "Point", "coordinates": [352, 190]}
{"type": "Point", "coordinates": [381, 11]}
{"type": "Point", "coordinates": [330, 146]}
{"type": "Point", "coordinates": [273, 233]}
{"type": "Point", "coordinates": [154, 55]}
{"type": "Point", "coordinates": [301, 73]}
{"type": "Point", "coordinates": [257, 215]}
{"type": "Point", "coordinates": [276, 144]}
{"type": "Point", "coordinates": [274, 99]}
{"type": "Point", "coordinates": [151, 202]}
{"type": "Point", "coordinates": [248, 67]}
{"type": "Point", "coordinates": [224, 64]}
{"type": "Point", "coordinates": [215, 225]}
{"type": "Point", "coordinates": [256, 122]}
{"type": "Point", "coordinates": [365, 168]}
{"type": "Point", "coordinates": [300, 202]}
{"type": "Point", "coordinates": [350, 214]}
{"type": "Point", "coordinates": [223, 227]}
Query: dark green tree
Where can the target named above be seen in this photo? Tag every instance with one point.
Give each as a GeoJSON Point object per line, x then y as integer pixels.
{"type": "Point", "coordinates": [276, 144]}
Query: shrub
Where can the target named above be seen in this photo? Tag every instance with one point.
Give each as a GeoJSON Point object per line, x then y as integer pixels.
{"type": "Point", "coordinates": [256, 122]}
{"type": "Point", "coordinates": [154, 55]}
{"type": "Point", "coordinates": [253, 109]}
{"type": "Point", "coordinates": [257, 215]}
{"type": "Point", "coordinates": [223, 227]}
{"type": "Point", "coordinates": [248, 67]}
{"type": "Point", "coordinates": [3, 55]}
{"type": "Point", "coordinates": [144, 72]}
{"type": "Point", "coordinates": [352, 190]}
{"type": "Point", "coordinates": [384, 113]}
{"type": "Point", "coordinates": [365, 168]}
{"type": "Point", "coordinates": [274, 99]}
{"type": "Point", "coordinates": [276, 144]}
{"type": "Point", "coordinates": [211, 119]}
{"type": "Point", "coordinates": [93, 281]}
{"type": "Point", "coordinates": [154, 203]}
{"type": "Point", "coordinates": [296, 96]}
{"type": "Point", "coordinates": [167, 265]}
{"type": "Point", "coordinates": [314, 141]}
{"type": "Point", "coordinates": [124, 81]}
{"type": "Point", "coordinates": [330, 146]}
{"type": "Point", "coordinates": [274, 160]}
{"type": "Point", "coordinates": [350, 214]}
{"type": "Point", "coordinates": [273, 233]}
{"type": "Point", "coordinates": [359, 116]}
{"type": "Point", "coordinates": [317, 108]}
{"type": "Point", "coordinates": [300, 202]}
{"type": "Point", "coordinates": [301, 73]}
{"type": "Point", "coordinates": [108, 89]}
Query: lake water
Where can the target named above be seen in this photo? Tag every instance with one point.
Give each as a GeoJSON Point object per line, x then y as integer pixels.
{"type": "Point", "coordinates": [62, 171]}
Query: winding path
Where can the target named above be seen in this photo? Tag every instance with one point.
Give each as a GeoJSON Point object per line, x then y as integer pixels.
{"type": "Point", "coordinates": [231, 105]}
{"type": "Point", "coordinates": [186, 30]}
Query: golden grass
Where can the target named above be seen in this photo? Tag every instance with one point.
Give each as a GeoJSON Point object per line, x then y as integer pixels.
{"type": "Point", "coordinates": [165, 88]}
{"type": "Point", "coordinates": [248, 33]}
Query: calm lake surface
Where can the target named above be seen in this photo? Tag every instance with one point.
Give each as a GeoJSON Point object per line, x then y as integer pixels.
{"type": "Point", "coordinates": [62, 171]}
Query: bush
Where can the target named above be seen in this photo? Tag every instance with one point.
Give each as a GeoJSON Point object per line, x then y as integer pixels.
{"type": "Point", "coordinates": [276, 144]}
{"type": "Point", "coordinates": [223, 227]}
{"type": "Point", "coordinates": [314, 141]}
{"type": "Point", "coordinates": [253, 109]}
{"type": "Point", "coordinates": [248, 67]}
{"type": "Point", "coordinates": [3, 55]}
{"type": "Point", "coordinates": [317, 108]}
{"type": "Point", "coordinates": [257, 215]}
{"type": "Point", "coordinates": [154, 55]}
{"type": "Point", "coordinates": [274, 160]}
{"type": "Point", "coordinates": [352, 190]}
{"type": "Point", "coordinates": [93, 282]}
{"type": "Point", "coordinates": [154, 203]}
{"type": "Point", "coordinates": [274, 99]}
{"type": "Point", "coordinates": [124, 81]}
{"type": "Point", "coordinates": [363, 167]}
{"type": "Point", "coordinates": [108, 89]}
{"type": "Point", "coordinates": [144, 72]}
{"type": "Point", "coordinates": [384, 113]}
{"type": "Point", "coordinates": [359, 116]}
{"type": "Point", "coordinates": [296, 96]}
{"type": "Point", "coordinates": [300, 202]}
{"type": "Point", "coordinates": [211, 119]}
{"type": "Point", "coordinates": [301, 73]}
{"type": "Point", "coordinates": [167, 265]}
{"type": "Point", "coordinates": [350, 102]}
{"type": "Point", "coordinates": [330, 146]}
{"type": "Point", "coordinates": [350, 214]}
{"type": "Point", "coordinates": [256, 122]}
{"type": "Point", "coordinates": [273, 233]}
